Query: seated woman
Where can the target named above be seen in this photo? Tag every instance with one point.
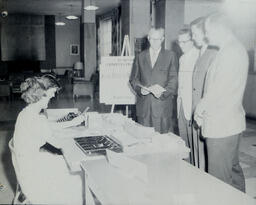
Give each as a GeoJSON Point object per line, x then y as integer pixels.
{"type": "Point", "coordinates": [44, 176]}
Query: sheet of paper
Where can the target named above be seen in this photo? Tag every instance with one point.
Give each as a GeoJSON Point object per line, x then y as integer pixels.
{"type": "Point", "coordinates": [124, 138]}
{"type": "Point", "coordinates": [144, 87]}
{"type": "Point", "coordinates": [157, 89]}
{"type": "Point", "coordinates": [128, 166]}
{"type": "Point", "coordinates": [154, 89]}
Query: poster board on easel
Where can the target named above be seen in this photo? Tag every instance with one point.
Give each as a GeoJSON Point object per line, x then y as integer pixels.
{"type": "Point", "coordinates": [114, 78]}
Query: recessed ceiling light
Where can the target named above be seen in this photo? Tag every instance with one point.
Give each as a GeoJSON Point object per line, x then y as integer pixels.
{"type": "Point", "coordinates": [71, 17]}
{"type": "Point", "coordinates": [91, 8]}
{"type": "Point", "coordinates": [59, 23]}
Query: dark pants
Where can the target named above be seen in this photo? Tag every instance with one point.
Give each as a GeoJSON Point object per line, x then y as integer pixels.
{"type": "Point", "coordinates": [223, 160]}
{"type": "Point", "coordinates": [185, 132]}
{"type": "Point", "coordinates": [161, 124]}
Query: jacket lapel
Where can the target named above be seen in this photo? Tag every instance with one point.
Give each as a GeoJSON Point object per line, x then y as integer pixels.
{"type": "Point", "coordinates": [158, 60]}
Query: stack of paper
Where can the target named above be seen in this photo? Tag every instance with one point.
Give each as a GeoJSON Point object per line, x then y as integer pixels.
{"type": "Point", "coordinates": [138, 131]}
{"type": "Point", "coordinates": [124, 138]}
{"type": "Point", "coordinates": [94, 120]}
{"type": "Point", "coordinates": [170, 143]}
{"type": "Point", "coordinates": [114, 119]}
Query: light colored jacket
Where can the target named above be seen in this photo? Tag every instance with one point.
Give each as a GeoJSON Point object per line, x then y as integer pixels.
{"type": "Point", "coordinates": [201, 67]}
{"type": "Point", "coordinates": [187, 64]}
{"type": "Point", "coordinates": [224, 88]}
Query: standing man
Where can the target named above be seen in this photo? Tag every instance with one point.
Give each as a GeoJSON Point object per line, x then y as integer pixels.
{"type": "Point", "coordinates": [154, 79]}
{"type": "Point", "coordinates": [184, 100]}
{"type": "Point", "coordinates": [220, 112]}
{"type": "Point", "coordinates": [206, 57]}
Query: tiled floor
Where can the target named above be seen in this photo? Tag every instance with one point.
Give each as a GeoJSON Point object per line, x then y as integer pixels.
{"type": "Point", "coordinates": [9, 111]}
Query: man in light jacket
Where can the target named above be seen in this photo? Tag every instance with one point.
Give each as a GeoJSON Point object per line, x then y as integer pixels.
{"type": "Point", "coordinates": [220, 112]}
{"type": "Point", "coordinates": [184, 99]}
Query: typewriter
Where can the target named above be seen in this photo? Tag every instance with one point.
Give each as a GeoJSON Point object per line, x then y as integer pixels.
{"type": "Point", "coordinates": [68, 117]}
{"type": "Point", "coordinates": [97, 145]}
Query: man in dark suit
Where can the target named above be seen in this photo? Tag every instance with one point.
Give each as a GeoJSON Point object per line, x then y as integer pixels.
{"type": "Point", "coordinates": [154, 79]}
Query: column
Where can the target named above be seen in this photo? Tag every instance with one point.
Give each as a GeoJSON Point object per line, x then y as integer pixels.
{"type": "Point", "coordinates": [136, 20]}
{"type": "Point", "coordinates": [88, 40]}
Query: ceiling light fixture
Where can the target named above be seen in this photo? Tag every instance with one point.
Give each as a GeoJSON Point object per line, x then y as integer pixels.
{"type": "Point", "coordinates": [58, 22]}
{"type": "Point", "coordinates": [4, 11]}
{"type": "Point", "coordinates": [71, 17]}
{"type": "Point", "coordinates": [91, 7]}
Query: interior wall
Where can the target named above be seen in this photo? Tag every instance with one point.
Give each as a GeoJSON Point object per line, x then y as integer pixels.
{"type": "Point", "coordinates": [160, 14]}
{"type": "Point", "coordinates": [65, 36]}
{"type": "Point", "coordinates": [23, 38]}
{"type": "Point", "coordinates": [195, 9]}
{"type": "Point", "coordinates": [139, 18]}
{"type": "Point", "coordinates": [50, 61]}
{"type": "Point", "coordinates": [33, 65]}
{"type": "Point", "coordinates": [125, 18]}
{"type": "Point", "coordinates": [174, 20]}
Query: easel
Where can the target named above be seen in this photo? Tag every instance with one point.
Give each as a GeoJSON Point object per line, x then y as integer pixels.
{"type": "Point", "coordinates": [126, 51]}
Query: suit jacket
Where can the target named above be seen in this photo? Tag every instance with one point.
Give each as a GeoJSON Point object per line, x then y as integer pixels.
{"type": "Point", "coordinates": [221, 105]}
{"type": "Point", "coordinates": [163, 73]}
{"type": "Point", "coordinates": [186, 68]}
{"type": "Point", "coordinates": [201, 67]}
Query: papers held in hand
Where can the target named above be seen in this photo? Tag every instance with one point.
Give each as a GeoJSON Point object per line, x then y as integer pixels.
{"type": "Point", "coordinates": [154, 89]}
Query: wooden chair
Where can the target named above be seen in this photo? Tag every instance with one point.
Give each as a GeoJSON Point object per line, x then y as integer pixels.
{"type": "Point", "coordinates": [19, 196]}
{"type": "Point", "coordinates": [82, 87]}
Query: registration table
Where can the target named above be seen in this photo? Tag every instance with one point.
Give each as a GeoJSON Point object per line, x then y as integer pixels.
{"type": "Point", "coordinates": [170, 181]}
{"type": "Point", "coordinates": [149, 171]}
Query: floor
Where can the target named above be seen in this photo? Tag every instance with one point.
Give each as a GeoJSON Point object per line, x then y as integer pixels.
{"type": "Point", "coordinates": [10, 109]}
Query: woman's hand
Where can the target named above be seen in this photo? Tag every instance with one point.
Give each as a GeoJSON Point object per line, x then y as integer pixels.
{"type": "Point", "coordinates": [77, 120]}
{"type": "Point", "coordinates": [74, 122]}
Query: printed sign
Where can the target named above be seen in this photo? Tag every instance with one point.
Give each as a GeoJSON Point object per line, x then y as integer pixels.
{"type": "Point", "coordinates": [114, 80]}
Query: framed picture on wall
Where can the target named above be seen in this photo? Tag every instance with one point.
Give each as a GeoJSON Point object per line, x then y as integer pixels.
{"type": "Point", "coordinates": [74, 49]}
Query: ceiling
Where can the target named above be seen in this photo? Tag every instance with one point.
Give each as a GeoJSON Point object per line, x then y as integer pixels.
{"type": "Point", "coordinates": [54, 7]}
{"type": "Point", "coordinates": [61, 7]}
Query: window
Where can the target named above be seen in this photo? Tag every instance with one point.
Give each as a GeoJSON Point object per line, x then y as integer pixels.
{"type": "Point", "coordinates": [105, 37]}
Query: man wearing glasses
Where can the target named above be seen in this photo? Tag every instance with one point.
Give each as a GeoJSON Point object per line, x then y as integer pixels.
{"type": "Point", "coordinates": [154, 79]}
{"type": "Point", "coordinates": [184, 101]}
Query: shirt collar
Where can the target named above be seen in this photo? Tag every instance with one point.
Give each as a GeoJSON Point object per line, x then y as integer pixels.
{"type": "Point", "coordinates": [151, 50]}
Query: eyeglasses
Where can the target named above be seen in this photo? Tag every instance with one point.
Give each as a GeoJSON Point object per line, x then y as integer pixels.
{"type": "Point", "coordinates": [156, 39]}
{"type": "Point", "coordinates": [183, 42]}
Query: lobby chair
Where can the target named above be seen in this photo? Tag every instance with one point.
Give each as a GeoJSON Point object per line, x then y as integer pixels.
{"type": "Point", "coordinates": [82, 87]}
{"type": "Point", "coordinates": [19, 197]}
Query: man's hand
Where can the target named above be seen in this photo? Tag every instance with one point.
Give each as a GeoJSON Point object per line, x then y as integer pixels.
{"type": "Point", "coordinates": [78, 120]}
{"type": "Point", "coordinates": [144, 91]}
{"type": "Point", "coordinates": [157, 95]}
{"type": "Point", "coordinates": [198, 116]}
{"type": "Point", "coordinates": [199, 120]}
{"type": "Point", "coordinates": [157, 90]}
